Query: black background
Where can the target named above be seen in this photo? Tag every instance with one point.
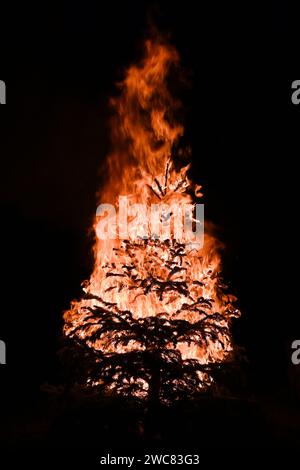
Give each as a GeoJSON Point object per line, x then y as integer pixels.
{"type": "Point", "coordinates": [60, 63]}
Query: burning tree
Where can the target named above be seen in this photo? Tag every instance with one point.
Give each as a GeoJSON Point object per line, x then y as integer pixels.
{"type": "Point", "coordinates": [155, 317]}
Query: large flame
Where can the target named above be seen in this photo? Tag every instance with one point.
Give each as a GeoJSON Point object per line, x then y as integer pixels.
{"type": "Point", "coordinates": [142, 167]}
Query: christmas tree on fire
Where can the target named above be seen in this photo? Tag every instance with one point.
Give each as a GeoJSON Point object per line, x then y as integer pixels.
{"type": "Point", "coordinates": [154, 320]}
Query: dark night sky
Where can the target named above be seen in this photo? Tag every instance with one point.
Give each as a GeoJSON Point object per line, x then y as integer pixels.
{"type": "Point", "coordinates": [60, 64]}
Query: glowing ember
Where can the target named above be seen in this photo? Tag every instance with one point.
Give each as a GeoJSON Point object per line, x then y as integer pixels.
{"type": "Point", "coordinates": [174, 287]}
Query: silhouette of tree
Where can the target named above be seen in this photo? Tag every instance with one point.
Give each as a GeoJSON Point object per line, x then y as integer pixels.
{"type": "Point", "coordinates": [140, 356]}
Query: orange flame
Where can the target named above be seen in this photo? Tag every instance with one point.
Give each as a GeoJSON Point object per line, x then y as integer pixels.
{"type": "Point", "coordinates": [141, 167]}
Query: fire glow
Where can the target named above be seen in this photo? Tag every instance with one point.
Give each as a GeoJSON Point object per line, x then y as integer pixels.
{"type": "Point", "coordinates": [156, 279]}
